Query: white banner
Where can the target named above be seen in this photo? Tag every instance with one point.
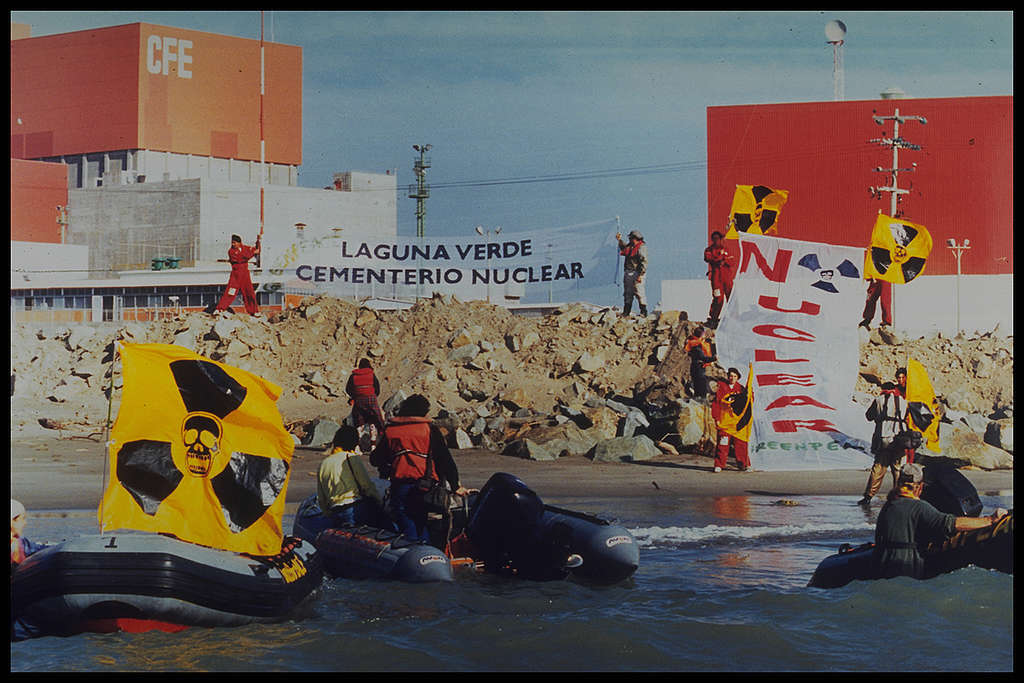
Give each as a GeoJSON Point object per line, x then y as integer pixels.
{"type": "Point", "coordinates": [793, 313]}
{"type": "Point", "coordinates": [569, 258]}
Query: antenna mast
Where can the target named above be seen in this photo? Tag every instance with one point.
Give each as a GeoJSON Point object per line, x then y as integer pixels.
{"type": "Point", "coordinates": [420, 191]}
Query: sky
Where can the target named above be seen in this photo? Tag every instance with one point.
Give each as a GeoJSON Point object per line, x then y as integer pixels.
{"type": "Point", "coordinates": [548, 119]}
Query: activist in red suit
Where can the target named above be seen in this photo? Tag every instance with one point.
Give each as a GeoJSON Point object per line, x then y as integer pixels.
{"type": "Point", "coordinates": [240, 282]}
{"type": "Point", "coordinates": [722, 405]}
{"type": "Point", "coordinates": [720, 273]}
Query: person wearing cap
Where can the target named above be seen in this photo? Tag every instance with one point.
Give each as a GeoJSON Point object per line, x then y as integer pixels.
{"type": "Point", "coordinates": [401, 457]}
{"type": "Point", "coordinates": [239, 281]}
{"type": "Point", "coordinates": [634, 269]}
{"type": "Point", "coordinates": [21, 545]}
{"type": "Point", "coordinates": [888, 442]}
{"type": "Point", "coordinates": [907, 523]}
{"type": "Point", "coordinates": [720, 273]}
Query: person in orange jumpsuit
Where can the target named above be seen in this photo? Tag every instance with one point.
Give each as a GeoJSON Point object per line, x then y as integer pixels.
{"type": "Point", "coordinates": [720, 273]}
{"type": "Point", "coordinates": [239, 282]}
{"type": "Point", "coordinates": [723, 402]}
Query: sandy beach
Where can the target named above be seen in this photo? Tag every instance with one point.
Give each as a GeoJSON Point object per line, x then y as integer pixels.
{"type": "Point", "coordinates": [53, 473]}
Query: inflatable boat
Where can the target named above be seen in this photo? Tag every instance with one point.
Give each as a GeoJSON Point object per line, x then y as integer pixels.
{"type": "Point", "coordinates": [948, 491]}
{"type": "Point", "coordinates": [136, 581]}
{"type": "Point", "coordinates": [504, 529]}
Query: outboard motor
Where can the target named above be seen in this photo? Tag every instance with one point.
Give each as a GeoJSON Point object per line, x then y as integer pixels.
{"type": "Point", "coordinates": [950, 491]}
{"type": "Point", "coordinates": [507, 532]}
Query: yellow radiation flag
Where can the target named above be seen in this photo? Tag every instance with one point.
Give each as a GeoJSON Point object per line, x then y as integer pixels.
{"type": "Point", "coordinates": [755, 210]}
{"type": "Point", "coordinates": [922, 408]}
{"type": "Point", "coordinates": [198, 451]}
{"type": "Point", "coordinates": [898, 252]}
{"type": "Point", "coordinates": [736, 415]}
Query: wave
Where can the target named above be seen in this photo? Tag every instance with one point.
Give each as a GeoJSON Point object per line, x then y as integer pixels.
{"type": "Point", "coordinates": [674, 535]}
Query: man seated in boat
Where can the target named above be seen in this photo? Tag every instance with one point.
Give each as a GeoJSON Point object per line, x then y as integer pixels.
{"type": "Point", "coordinates": [21, 545]}
{"type": "Point", "coordinates": [906, 523]}
{"type": "Point", "coordinates": [409, 438]}
{"type": "Point", "coordinates": [345, 492]}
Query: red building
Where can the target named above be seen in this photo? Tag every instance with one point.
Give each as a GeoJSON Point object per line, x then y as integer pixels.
{"type": "Point", "coordinates": [37, 189]}
{"type": "Point", "coordinates": [962, 186]}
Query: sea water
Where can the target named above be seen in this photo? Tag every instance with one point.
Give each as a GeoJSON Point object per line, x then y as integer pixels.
{"type": "Point", "coordinates": [722, 586]}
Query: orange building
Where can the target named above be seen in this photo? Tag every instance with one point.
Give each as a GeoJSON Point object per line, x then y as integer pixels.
{"type": "Point", "coordinates": [148, 87]}
{"type": "Point", "coordinates": [37, 190]}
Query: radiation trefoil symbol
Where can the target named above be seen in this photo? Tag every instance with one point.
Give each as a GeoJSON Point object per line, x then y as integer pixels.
{"type": "Point", "coordinates": [755, 209]}
{"type": "Point", "coordinates": [245, 486]}
{"type": "Point", "coordinates": [826, 276]}
{"type": "Point", "coordinates": [898, 250]}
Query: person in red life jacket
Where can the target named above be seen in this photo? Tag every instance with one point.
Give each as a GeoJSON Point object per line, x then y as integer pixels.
{"type": "Point", "coordinates": [879, 291]}
{"type": "Point", "coordinates": [720, 273]}
{"type": "Point", "coordinates": [363, 390]}
{"type": "Point", "coordinates": [239, 282]}
{"type": "Point", "coordinates": [21, 545]}
{"type": "Point", "coordinates": [724, 395]}
{"type": "Point", "coordinates": [401, 457]}
{"type": "Point", "coordinates": [698, 348]}
{"type": "Point", "coordinates": [634, 268]}
{"type": "Point", "coordinates": [891, 443]}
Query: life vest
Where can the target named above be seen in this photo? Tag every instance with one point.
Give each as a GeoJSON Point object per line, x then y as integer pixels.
{"type": "Point", "coordinates": [724, 397]}
{"type": "Point", "coordinates": [632, 254]}
{"type": "Point", "coordinates": [717, 257]}
{"type": "Point", "coordinates": [693, 342]}
{"type": "Point", "coordinates": [408, 439]}
{"type": "Point", "coordinates": [362, 382]}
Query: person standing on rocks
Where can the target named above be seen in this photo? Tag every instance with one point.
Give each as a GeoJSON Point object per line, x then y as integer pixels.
{"type": "Point", "coordinates": [401, 457]}
{"type": "Point", "coordinates": [698, 348]}
{"type": "Point", "coordinates": [634, 269]}
{"type": "Point", "coordinates": [879, 291]}
{"type": "Point", "coordinates": [363, 389]}
{"type": "Point", "coordinates": [240, 282]}
{"type": "Point", "coordinates": [720, 273]}
{"type": "Point", "coordinates": [891, 441]}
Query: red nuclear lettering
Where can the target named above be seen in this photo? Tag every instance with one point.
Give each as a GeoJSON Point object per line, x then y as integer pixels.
{"type": "Point", "coordinates": [811, 425]}
{"type": "Point", "coordinates": [782, 378]}
{"type": "Point", "coordinates": [775, 274]}
{"type": "Point", "coordinates": [783, 401]}
{"type": "Point", "coordinates": [772, 304]}
{"type": "Point", "coordinates": [768, 356]}
{"type": "Point", "coordinates": [775, 330]}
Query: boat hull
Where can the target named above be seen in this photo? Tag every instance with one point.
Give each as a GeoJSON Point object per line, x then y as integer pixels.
{"type": "Point", "coordinates": [131, 579]}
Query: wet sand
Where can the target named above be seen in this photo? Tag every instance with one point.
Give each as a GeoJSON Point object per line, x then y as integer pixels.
{"type": "Point", "coordinates": [53, 473]}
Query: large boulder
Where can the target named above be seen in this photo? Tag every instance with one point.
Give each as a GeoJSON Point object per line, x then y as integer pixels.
{"type": "Point", "coordinates": [624, 449]}
{"type": "Point", "coordinates": [1000, 434]}
{"type": "Point", "coordinates": [963, 444]}
{"type": "Point", "coordinates": [529, 450]}
{"type": "Point", "coordinates": [320, 432]}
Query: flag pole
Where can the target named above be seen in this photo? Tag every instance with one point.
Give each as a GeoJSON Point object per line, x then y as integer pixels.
{"type": "Point", "coordinates": [263, 144]}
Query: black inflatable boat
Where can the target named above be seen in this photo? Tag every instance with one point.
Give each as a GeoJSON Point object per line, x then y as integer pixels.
{"type": "Point", "coordinates": [948, 491]}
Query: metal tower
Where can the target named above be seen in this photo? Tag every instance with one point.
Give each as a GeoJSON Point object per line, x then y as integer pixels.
{"type": "Point", "coordinates": [835, 31]}
{"type": "Point", "coordinates": [896, 143]}
{"type": "Point", "coordinates": [420, 191]}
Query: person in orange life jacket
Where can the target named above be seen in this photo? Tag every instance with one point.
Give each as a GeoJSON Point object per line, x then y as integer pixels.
{"type": "Point", "coordinates": [239, 282]}
{"type": "Point", "coordinates": [720, 273]}
{"type": "Point", "coordinates": [345, 492]}
{"type": "Point", "coordinates": [363, 390]}
{"type": "Point", "coordinates": [889, 413]}
{"type": "Point", "coordinates": [21, 545]}
{"type": "Point", "coordinates": [634, 269]}
{"type": "Point", "coordinates": [907, 523]}
{"type": "Point", "coordinates": [698, 349]}
{"type": "Point", "coordinates": [879, 291]}
{"type": "Point", "coordinates": [401, 457]}
{"type": "Point", "coordinates": [723, 402]}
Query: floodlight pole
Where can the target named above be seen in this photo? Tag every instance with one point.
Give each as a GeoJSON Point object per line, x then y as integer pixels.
{"type": "Point", "coordinates": [958, 251]}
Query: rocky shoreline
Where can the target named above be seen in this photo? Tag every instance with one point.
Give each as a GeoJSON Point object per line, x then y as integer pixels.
{"type": "Point", "coordinates": [582, 381]}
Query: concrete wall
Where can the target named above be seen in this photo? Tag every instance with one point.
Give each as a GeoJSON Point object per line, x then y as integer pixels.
{"type": "Point", "coordinates": [40, 264]}
{"type": "Point", "coordinates": [925, 306]}
{"type": "Point", "coordinates": [125, 226]}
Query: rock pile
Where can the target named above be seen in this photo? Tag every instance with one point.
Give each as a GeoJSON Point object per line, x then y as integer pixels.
{"type": "Point", "coordinates": [581, 380]}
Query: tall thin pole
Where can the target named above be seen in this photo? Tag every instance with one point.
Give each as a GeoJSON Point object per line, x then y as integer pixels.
{"type": "Point", "coordinates": [263, 144]}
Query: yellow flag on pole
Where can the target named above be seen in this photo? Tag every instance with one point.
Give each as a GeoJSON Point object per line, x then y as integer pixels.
{"type": "Point", "coordinates": [737, 413]}
{"type": "Point", "coordinates": [198, 451]}
{"type": "Point", "coordinates": [755, 210]}
{"type": "Point", "coordinates": [898, 252]}
{"type": "Point", "coordinates": [922, 408]}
